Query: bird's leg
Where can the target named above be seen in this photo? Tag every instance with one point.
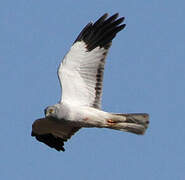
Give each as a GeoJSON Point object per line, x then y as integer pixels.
{"type": "Point", "coordinates": [111, 122]}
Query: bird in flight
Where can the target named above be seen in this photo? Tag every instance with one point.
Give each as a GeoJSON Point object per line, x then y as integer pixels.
{"type": "Point", "coordinates": [81, 77]}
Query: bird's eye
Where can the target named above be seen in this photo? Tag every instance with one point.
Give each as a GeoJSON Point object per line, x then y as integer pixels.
{"type": "Point", "coordinates": [50, 111]}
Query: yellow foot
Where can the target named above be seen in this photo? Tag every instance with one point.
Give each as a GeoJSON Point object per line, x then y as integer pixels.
{"type": "Point", "coordinates": [111, 122]}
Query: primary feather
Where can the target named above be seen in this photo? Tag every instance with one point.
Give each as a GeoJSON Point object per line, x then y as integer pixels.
{"type": "Point", "coordinates": [81, 71]}
{"type": "Point", "coordinates": [81, 77]}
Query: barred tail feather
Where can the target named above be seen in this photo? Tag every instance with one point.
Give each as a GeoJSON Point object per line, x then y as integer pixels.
{"type": "Point", "coordinates": [136, 123]}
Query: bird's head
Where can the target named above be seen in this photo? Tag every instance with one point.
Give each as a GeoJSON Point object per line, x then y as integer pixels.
{"type": "Point", "coordinates": [57, 111]}
{"type": "Point", "coordinates": [51, 111]}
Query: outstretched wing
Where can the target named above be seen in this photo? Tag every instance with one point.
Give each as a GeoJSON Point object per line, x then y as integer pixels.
{"type": "Point", "coordinates": [81, 72]}
{"type": "Point", "coordinates": [52, 133]}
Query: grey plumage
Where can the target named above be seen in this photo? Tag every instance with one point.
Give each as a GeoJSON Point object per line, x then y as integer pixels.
{"type": "Point", "coordinates": [81, 77]}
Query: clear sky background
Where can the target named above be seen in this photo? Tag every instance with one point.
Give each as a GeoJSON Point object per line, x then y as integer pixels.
{"type": "Point", "coordinates": [145, 72]}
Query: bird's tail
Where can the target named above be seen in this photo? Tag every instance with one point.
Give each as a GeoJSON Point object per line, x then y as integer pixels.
{"type": "Point", "coordinates": [135, 123]}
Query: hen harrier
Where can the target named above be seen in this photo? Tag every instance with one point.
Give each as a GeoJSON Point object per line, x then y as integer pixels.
{"type": "Point", "coordinates": [81, 77]}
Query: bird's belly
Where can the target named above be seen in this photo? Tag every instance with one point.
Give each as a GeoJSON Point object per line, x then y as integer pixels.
{"type": "Point", "coordinates": [88, 117]}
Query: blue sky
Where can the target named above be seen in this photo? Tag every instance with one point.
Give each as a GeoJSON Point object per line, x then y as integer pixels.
{"type": "Point", "coordinates": [145, 72]}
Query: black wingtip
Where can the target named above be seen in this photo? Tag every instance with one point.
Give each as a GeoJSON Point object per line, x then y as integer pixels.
{"type": "Point", "coordinates": [102, 32]}
{"type": "Point", "coordinates": [50, 140]}
{"type": "Point", "coordinates": [115, 15]}
{"type": "Point", "coordinates": [101, 19]}
{"type": "Point", "coordinates": [33, 134]}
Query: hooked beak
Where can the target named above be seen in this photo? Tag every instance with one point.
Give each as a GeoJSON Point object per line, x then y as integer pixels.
{"type": "Point", "coordinates": [47, 114]}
